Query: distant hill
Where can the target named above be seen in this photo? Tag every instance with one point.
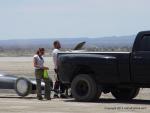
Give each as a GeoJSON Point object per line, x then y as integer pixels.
{"type": "Point", "coordinates": [120, 41]}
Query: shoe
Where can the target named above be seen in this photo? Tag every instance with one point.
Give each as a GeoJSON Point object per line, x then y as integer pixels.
{"type": "Point", "coordinates": [48, 98]}
{"type": "Point", "coordinates": [56, 96]}
{"type": "Point", "coordinates": [40, 98]}
{"type": "Point", "coordinates": [70, 96]}
{"type": "Point", "coordinates": [63, 96]}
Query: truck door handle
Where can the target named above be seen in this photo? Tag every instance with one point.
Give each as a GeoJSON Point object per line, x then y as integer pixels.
{"type": "Point", "coordinates": [137, 57]}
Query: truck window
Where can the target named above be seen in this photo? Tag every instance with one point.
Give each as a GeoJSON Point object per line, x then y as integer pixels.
{"type": "Point", "coordinates": [145, 43]}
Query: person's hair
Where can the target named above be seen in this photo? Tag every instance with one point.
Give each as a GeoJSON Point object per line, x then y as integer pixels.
{"type": "Point", "coordinates": [39, 50]}
{"type": "Point", "coordinates": [55, 42]}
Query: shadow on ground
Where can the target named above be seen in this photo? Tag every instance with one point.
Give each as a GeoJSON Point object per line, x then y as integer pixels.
{"type": "Point", "coordinates": [102, 100]}
{"type": "Point", "coordinates": [134, 101]}
{"type": "Point", "coordinates": [12, 97]}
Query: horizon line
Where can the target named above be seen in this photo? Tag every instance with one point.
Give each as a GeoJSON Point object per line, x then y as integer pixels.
{"type": "Point", "coordinates": [63, 37]}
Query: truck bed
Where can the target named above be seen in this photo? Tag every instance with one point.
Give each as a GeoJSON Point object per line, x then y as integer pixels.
{"type": "Point", "coordinates": [123, 63]}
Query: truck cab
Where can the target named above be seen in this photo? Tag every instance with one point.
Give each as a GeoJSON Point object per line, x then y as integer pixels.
{"type": "Point", "coordinates": [140, 59]}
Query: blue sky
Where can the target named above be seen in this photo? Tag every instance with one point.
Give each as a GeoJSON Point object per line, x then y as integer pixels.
{"type": "Point", "coordinates": [72, 18]}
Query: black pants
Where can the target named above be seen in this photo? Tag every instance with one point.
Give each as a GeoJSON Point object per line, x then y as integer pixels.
{"type": "Point", "coordinates": [58, 84]}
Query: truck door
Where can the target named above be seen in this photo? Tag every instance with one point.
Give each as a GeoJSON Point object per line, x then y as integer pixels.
{"type": "Point", "coordinates": [140, 61]}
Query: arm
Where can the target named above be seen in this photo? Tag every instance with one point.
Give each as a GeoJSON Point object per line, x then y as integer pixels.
{"type": "Point", "coordinates": [35, 63]}
{"type": "Point", "coordinates": [54, 54]}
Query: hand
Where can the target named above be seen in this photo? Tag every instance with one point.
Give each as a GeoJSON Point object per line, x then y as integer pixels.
{"type": "Point", "coordinates": [46, 68]}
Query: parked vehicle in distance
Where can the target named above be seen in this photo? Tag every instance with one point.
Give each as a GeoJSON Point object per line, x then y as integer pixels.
{"type": "Point", "coordinates": [121, 73]}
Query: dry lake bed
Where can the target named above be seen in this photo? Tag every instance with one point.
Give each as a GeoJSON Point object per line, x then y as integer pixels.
{"type": "Point", "coordinates": [22, 66]}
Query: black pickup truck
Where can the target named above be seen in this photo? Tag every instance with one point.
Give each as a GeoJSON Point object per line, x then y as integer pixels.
{"type": "Point", "coordinates": [121, 73]}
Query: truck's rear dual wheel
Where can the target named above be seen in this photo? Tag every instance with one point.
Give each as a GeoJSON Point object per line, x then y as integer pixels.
{"type": "Point", "coordinates": [84, 88]}
{"type": "Point", "coordinates": [125, 93]}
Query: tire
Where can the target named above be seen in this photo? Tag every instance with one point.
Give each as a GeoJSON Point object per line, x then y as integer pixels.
{"type": "Point", "coordinates": [136, 92]}
{"type": "Point", "coordinates": [23, 87]}
{"type": "Point", "coordinates": [84, 88]}
{"type": "Point", "coordinates": [97, 96]}
{"type": "Point", "coordinates": [125, 93]}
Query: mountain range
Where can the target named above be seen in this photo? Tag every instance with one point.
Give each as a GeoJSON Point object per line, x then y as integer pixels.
{"type": "Point", "coordinates": [117, 41]}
